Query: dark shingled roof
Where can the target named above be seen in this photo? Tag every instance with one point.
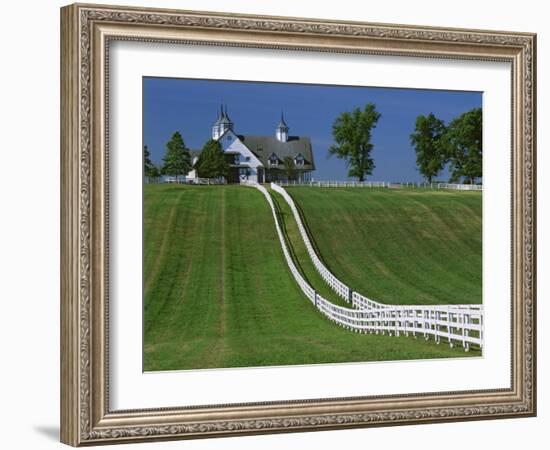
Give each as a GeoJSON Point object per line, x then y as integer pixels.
{"type": "Point", "coordinates": [264, 146]}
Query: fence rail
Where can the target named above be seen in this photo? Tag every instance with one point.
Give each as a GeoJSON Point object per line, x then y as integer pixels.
{"type": "Point", "coordinates": [460, 187]}
{"type": "Point", "coordinates": [336, 184]}
{"type": "Point", "coordinates": [207, 181]}
{"type": "Point", "coordinates": [182, 180]}
{"type": "Point", "coordinates": [456, 323]}
{"type": "Point", "coordinates": [382, 184]}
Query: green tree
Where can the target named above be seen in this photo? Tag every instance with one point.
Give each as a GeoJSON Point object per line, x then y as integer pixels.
{"type": "Point", "coordinates": [177, 159]}
{"type": "Point", "coordinates": [211, 162]}
{"type": "Point", "coordinates": [462, 141]}
{"type": "Point", "coordinates": [290, 167]}
{"type": "Point", "coordinates": [149, 169]}
{"type": "Point", "coordinates": [426, 139]}
{"type": "Point", "coordinates": [352, 134]}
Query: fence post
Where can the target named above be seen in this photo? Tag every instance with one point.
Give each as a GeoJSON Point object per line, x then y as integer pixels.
{"type": "Point", "coordinates": [481, 330]}
{"type": "Point", "coordinates": [397, 321]}
{"type": "Point", "coordinates": [462, 321]}
{"type": "Point", "coordinates": [428, 324]}
{"type": "Point", "coordinates": [437, 318]}
{"type": "Point", "coordinates": [466, 332]}
{"type": "Point", "coordinates": [449, 327]}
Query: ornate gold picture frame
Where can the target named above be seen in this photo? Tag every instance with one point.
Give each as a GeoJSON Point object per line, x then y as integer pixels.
{"type": "Point", "coordinates": [87, 32]}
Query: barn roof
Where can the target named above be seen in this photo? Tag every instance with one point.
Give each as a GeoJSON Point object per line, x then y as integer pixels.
{"type": "Point", "coordinates": [264, 146]}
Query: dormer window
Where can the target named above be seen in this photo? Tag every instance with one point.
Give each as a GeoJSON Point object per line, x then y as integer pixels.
{"type": "Point", "coordinates": [273, 160]}
{"type": "Point", "coordinates": [299, 160]}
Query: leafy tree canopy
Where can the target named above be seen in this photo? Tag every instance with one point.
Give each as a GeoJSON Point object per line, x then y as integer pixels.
{"type": "Point", "coordinates": [426, 139]}
{"type": "Point", "coordinates": [149, 169]}
{"type": "Point", "coordinates": [211, 162]}
{"type": "Point", "coordinates": [463, 146]}
{"type": "Point", "coordinates": [177, 159]}
{"type": "Point", "coordinates": [352, 134]}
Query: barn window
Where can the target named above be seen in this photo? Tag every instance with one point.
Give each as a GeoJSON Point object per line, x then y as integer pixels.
{"type": "Point", "coordinates": [299, 160]}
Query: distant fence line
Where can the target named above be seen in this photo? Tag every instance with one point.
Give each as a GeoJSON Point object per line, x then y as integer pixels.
{"type": "Point", "coordinates": [460, 187]}
{"type": "Point", "coordinates": [455, 323]}
{"type": "Point", "coordinates": [322, 184]}
{"type": "Point", "coordinates": [381, 184]}
{"type": "Point", "coordinates": [339, 184]}
{"type": "Point", "coordinates": [183, 180]}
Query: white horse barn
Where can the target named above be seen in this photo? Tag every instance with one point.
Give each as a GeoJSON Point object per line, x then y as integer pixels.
{"type": "Point", "coordinates": [260, 158]}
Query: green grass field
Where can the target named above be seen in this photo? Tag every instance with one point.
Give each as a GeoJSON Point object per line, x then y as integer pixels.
{"type": "Point", "coordinates": [300, 255]}
{"type": "Point", "coordinates": [218, 293]}
{"type": "Point", "coordinates": [402, 246]}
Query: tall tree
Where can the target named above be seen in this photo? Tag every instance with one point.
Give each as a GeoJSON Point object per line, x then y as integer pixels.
{"type": "Point", "coordinates": [463, 146]}
{"type": "Point", "coordinates": [211, 162]}
{"type": "Point", "coordinates": [149, 169]}
{"type": "Point", "coordinates": [289, 167]}
{"type": "Point", "coordinates": [177, 159]}
{"type": "Point", "coordinates": [426, 139]}
{"type": "Point", "coordinates": [352, 134]}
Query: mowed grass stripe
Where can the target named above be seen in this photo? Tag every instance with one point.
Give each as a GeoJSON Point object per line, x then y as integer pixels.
{"type": "Point", "coordinates": [223, 296]}
{"type": "Point", "coordinates": [155, 228]}
{"type": "Point", "coordinates": [407, 246]}
{"type": "Point", "coordinates": [189, 276]}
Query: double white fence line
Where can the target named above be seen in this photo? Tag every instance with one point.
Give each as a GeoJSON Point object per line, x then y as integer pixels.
{"type": "Point", "coordinates": [459, 320]}
{"type": "Point", "coordinates": [461, 324]}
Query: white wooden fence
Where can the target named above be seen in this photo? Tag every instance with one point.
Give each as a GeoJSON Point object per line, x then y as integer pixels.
{"type": "Point", "coordinates": [382, 184]}
{"type": "Point", "coordinates": [460, 187]}
{"type": "Point", "coordinates": [206, 181]}
{"type": "Point", "coordinates": [336, 184]}
{"type": "Point", "coordinates": [456, 323]}
{"type": "Point", "coordinates": [181, 179]}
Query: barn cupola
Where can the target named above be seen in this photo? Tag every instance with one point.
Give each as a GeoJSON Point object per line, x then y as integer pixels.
{"type": "Point", "coordinates": [222, 123]}
{"type": "Point", "coordinates": [216, 127]}
{"type": "Point", "coordinates": [225, 123]}
{"type": "Point", "coordinates": [281, 131]}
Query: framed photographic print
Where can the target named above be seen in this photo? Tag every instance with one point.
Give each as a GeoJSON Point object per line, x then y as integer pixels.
{"type": "Point", "coordinates": [279, 224]}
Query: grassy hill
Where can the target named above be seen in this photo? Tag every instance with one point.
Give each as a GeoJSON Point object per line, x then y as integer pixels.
{"type": "Point", "coordinates": [402, 246]}
{"type": "Point", "coordinates": [298, 249]}
{"type": "Point", "coordinates": [218, 293]}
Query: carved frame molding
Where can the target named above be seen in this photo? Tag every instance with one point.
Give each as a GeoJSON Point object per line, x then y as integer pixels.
{"type": "Point", "coordinates": [86, 32]}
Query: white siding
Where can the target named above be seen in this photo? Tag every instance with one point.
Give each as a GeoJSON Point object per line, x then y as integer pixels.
{"type": "Point", "coordinates": [232, 144]}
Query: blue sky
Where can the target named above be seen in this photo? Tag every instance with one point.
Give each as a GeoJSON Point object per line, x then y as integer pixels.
{"type": "Point", "coordinates": [191, 106]}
